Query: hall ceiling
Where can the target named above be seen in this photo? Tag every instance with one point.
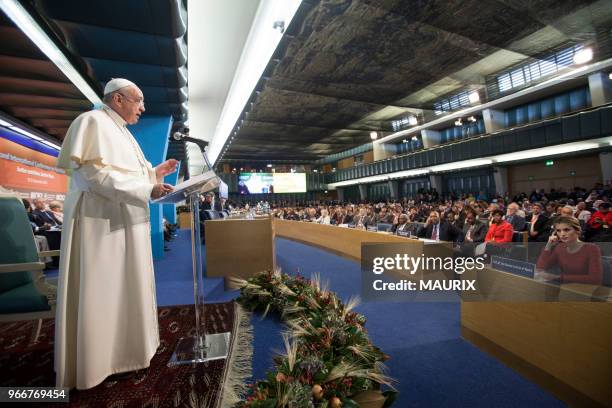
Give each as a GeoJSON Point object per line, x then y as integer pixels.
{"type": "Point", "coordinates": [141, 40]}
{"type": "Point", "coordinates": [349, 67]}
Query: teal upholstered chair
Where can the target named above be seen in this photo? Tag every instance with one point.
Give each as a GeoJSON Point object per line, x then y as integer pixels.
{"type": "Point", "coordinates": [24, 292]}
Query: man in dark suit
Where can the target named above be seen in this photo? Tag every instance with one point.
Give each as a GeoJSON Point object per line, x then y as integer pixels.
{"type": "Point", "coordinates": [513, 218]}
{"type": "Point", "coordinates": [45, 216]}
{"type": "Point", "coordinates": [538, 223]}
{"type": "Point", "coordinates": [474, 230]}
{"type": "Point", "coordinates": [402, 224]}
{"type": "Point", "coordinates": [439, 231]}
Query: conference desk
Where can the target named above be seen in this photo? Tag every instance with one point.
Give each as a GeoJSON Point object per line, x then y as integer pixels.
{"type": "Point", "coordinates": [345, 241]}
{"type": "Point", "coordinates": [239, 247]}
{"type": "Point", "coordinates": [564, 344]}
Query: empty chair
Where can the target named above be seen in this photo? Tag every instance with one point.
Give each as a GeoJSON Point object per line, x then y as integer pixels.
{"type": "Point", "coordinates": [24, 293]}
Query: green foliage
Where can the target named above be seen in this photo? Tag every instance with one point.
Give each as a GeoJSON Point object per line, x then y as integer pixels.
{"type": "Point", "coordinates": [328, 353]}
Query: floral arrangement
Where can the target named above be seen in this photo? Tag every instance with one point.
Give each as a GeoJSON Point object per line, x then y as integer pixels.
{"type": "Point", "coordinates": [329, 361]}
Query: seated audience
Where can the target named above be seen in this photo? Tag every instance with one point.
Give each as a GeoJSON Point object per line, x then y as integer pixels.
{"type": "Point", "coordinates": [514, 218]}
{"type": "Point", "coordinates": [439, 231]}
{"type": "Point", "coordinates": [582, 214]}
{"type": "Point", "coordinates": [56, 209]}
{"type": "Point", "coordinates": [500, 230]}
{"type": "Point", "coordinates": [600, 223]}
{"type": "Point", "coordinates": [43, 215]}
{"type": "Point", "coordinates": [474, 230]}
{"type": "Point", "coordinates": [324, 218]}
{"type": "Point", "coordinates": [537, 224]}
{"type": "Point", "coordinates": [401, 225]}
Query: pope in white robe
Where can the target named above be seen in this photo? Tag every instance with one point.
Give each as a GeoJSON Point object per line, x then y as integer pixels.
{"type": "Point", "coordinates": [106, 319]}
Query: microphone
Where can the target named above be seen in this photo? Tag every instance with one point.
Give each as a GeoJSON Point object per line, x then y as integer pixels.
{"type": "Point", "coordinates": [180, 136]}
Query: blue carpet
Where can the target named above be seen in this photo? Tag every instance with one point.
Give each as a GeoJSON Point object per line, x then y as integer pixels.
{"type": "Point", "coordinates": [433, 365]}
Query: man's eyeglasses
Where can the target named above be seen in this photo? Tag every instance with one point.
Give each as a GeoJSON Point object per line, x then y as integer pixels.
{"type": "Point", "coordinates": [140, 102]}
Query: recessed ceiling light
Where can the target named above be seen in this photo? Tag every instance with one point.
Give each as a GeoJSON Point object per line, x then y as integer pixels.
{"type": "Point", "coordinates": [269, 165]}
{"type": "Point", "coordinates": [413, 120]}
{"type": "Point", "coordinates": [373, 135]}
{"type": "Point", "coordinates": [583, 56]}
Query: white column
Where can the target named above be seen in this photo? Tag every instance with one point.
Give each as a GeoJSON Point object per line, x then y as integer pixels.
{"type": "Point", "coordinates": [493, 120]}
{"type": "Point", "coordinates": [500, 176]}
{"type": "Point", "coordinates": [436, 182]}
{"type": "Point", "coordinates": [430, 138]}
{"type": "Point", "coordinates": [340, 192]}
{"type": "Point", "coordinates": [600, 87]}
{"type": "Point", "coordinates": [383, 150]}
{"type": "Point", "coordinates": [393, 189]}
{"type": "Point", "coordinates": [363, 191]}
{"type": "Point", "coordinates": [605, 160]}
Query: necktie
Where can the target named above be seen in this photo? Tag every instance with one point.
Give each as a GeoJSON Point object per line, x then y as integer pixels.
{"type": "Point", "coordinates": [533, 222]}
{"type": "Point", "coordinates": [434, 232]}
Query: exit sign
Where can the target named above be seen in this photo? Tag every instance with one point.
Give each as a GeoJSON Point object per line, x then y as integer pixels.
{"type": "Point", "coordinates": [550, 162]}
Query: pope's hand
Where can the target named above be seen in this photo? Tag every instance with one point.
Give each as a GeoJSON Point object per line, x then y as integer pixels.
{"type": "Point", "coordinates": [167, 167]}
{"type": "Point", "coordinates": [160, 190]}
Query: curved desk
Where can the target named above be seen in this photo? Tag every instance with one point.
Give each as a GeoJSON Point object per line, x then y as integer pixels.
{"type": "Point", "coordinates": [343, 241]}
{"type": "Point", "coordinates": [565, 346]}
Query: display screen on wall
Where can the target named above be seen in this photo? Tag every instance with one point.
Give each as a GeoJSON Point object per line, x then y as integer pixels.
{"type": "Point", "coordinates": [258, 183]}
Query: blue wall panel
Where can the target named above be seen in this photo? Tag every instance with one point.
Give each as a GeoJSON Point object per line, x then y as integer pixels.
{"type": "Point", "coordinates": [152, 133]}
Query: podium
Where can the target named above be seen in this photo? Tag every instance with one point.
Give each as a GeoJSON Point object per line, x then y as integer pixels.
{"type": "Point", "coordinates": [201, 347]}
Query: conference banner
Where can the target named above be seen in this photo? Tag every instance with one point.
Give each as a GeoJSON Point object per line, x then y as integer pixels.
{"type": "Point", "coordinates": [31, 172]}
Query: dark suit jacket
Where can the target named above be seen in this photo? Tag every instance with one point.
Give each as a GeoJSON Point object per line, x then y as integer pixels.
{"type": "Point", "coordinates": [540, 227]}
{"type": "Point", "coordinates": [447, 232]}
{"type": "Point", "coordinates": [45, 217]}
{"type": "Point", "coordinates": [517, 222]}
{"type": "Point", "coordinates": [479, 233]}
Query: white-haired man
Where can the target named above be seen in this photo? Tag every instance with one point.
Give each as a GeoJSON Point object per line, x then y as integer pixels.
{"type": "Point", "coordinates": [106, 320]}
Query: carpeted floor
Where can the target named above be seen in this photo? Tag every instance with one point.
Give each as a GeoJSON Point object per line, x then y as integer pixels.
{"type": "Point", "coordinates": [434, 366]}
{"type": "Point", "coordinates": [25, 364]}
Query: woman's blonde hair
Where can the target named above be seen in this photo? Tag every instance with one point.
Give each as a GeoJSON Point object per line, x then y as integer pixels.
{"type": "Point", "coordinates": [571, 221]}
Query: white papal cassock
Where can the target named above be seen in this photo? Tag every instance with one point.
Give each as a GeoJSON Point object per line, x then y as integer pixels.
{"type": "Point", "coordinates": [106, 319]}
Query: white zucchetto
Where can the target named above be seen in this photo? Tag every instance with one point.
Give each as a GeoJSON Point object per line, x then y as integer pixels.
{"type": "Point", "coordinates": [117, 83]}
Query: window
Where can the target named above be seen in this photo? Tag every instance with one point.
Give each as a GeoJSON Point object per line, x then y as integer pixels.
{"type": "Point", "coordinates": [452, 103]}
{"type": "Point", "coordinates": [530, 72]}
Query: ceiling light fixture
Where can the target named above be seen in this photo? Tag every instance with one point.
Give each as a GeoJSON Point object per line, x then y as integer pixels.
{"type": "Point", "coordinates": [414, 138]}
{"type": "Point", "coordinates": [22, 19]}
{"type": "Point", "coordinates": [413, 120]}
{"type": "Point", "coordinates": [583, 56]}
{"type": "Point", "coordinates": [471, 119]}
{"type": "Point", "coordinates": [474, 97]}
{"type": "Point", "coordinates": [458, 122]}
{"type": "Point", "coordinates": [269, 165]}
{"type": "Point", "coordinates": [373, 135]}
{"type": "Point", "coordinates": [256, 53]}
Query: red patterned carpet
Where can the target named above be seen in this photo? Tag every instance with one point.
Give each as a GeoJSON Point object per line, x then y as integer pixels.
{"type": "Point", "coordinates": [25, 364]}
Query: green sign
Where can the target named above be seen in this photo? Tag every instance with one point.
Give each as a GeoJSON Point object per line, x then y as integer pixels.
{"type": "Point", "coordinates": [549, 162]}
